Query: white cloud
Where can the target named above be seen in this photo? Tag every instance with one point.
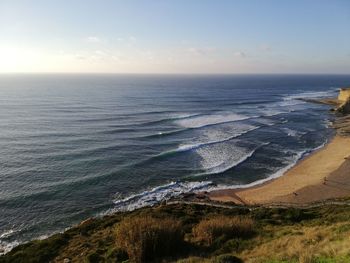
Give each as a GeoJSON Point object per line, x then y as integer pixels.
{"type": "Point", "coordinates": [93, 39]}
{"type": "Point", "coordinates": [132, 39]}
{"type": "Point", "coordinates": [240, 54]}
{"type": "Point", "coordinates": [80, 57]}
{"type": "Point", "coordinates": [129, 39]}
{"type": "Point", "coordinates": [200, 51]}
{"type": "Point", "coordinates": [117, 58]}
{"type": "Point", "coordinates": [89, 55]}
{"type": "Point", "coordinates": [265, 48]}
{"type": "Point", "coordinates": [100, 53]}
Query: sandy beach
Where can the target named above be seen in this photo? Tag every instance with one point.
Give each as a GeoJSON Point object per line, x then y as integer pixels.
{"type": "Point", "coordinates": [322, 175]}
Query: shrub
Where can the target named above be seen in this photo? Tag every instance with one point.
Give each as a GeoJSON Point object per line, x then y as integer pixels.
{"type": "Point", "coordinates": [94, 258]}
{"type": "Point", "coordinates": [193, 260]}
{"type": "Point", "coordinates": [223, 227]}
{"type": "Point", "coordinates": [148, 238]}
{"type": "Point", "coordinates": [116, 255]}
{"type": "Point", "coordinates": [226, 258]}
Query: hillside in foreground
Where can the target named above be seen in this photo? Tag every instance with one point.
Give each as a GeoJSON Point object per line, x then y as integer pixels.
{"type": "Point", "coordinates": [197, 233]}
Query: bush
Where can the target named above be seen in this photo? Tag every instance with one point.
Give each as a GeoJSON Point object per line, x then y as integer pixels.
{"type": "Point", "coordinates": [223, 227]}
{"type": "Point", "coordinates": [193, 260]}
{"type": "Point", "coordinates": [116, 255]}
{"type": "Point", "coordinates": [148, 238]}
{"type": "Point", "coordinates": [94, 258]}
{"type": "Point", "coordinates": [295, 215]}
{"type": "Point", "coordinates": [226, 258]}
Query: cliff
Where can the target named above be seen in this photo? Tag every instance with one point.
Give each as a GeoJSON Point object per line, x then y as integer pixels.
{"type": "Point", "coordinates": [344, 94]}
{"type": "Point", "coordinates": [344, 108]}
{"type": "Point", "coordinates": [344, 99]}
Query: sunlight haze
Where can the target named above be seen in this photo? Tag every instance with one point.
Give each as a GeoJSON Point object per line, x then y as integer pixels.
{"type": "Point", "coordinates": [175, 36]}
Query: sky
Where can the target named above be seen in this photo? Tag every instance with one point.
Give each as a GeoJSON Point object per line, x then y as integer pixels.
{"type": "Point", "coordinates": [175, 36]}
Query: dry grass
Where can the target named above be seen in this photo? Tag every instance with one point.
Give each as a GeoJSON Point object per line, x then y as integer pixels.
{"type": "Point", "coordinates": [223, 227]}
{"type": "Point", "coordinates": [226, 258]}
{"type": "Point", "coordinates": [147, 238]}
{"type": "Point", "coordinates": [313, 235]}
{"type": "Point", "coordinates": [303, 245]}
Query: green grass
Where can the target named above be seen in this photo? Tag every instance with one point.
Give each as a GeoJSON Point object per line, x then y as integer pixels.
{"type": "Point", "coordinates": [314, 235]}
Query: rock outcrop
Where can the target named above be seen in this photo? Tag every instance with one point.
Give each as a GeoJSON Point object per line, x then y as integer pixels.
{"type": "Point", "coordinates": [344, 108]}
{"type": "Point", "coordinates": [344, 94]}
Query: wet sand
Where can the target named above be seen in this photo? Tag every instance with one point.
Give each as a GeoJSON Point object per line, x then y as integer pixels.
{"type": "Point", "coordinates": [325, 174]}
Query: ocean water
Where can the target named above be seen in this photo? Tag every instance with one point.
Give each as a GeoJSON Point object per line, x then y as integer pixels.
{"type": "Point", "coordinates": [76, 146]}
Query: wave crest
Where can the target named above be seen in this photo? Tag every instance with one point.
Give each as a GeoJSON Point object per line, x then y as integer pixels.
{"type": "Point", "coordinates": [206, 120]}
{"type": "Point", "coordinates": [158, 194]}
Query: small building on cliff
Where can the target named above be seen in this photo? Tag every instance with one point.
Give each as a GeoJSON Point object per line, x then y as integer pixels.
{"type": "Point", "coordinates": [344, 94]}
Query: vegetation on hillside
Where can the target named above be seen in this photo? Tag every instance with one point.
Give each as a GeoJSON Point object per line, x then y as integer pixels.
{"type": "Point", "coordinates": [147, 238]}
{"type": "Point", "coordinates": [194, 233]}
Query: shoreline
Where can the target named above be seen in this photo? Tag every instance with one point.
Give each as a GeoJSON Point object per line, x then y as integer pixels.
{"type": "Point", "coordinates": [319, 176]}
{"type": "Point", "coordinates": [287, 189]}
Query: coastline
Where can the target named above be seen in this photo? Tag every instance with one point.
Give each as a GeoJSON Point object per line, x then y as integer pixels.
{"type": "Point", "coordinates": [303, 183]}
{"type": "Point", "coordinates": [320, 176]}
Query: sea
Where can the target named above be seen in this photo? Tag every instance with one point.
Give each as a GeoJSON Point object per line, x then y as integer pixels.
{"type": "Point", "coordinates": [75, 146]}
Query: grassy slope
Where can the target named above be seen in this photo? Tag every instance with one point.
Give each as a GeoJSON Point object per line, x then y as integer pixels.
{"type": "Point", "coordinates": [282, 235]}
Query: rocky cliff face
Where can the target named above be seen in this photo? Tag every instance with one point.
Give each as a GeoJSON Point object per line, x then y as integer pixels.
{"type": "Point", "coordinates": [344, 100]}
{"type": "Point", "coordinates": [344, 94]}
{"type": "Point", "coordinates": [344, 108]}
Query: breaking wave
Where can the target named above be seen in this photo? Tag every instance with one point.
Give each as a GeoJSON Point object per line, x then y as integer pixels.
{"type": "Point", "coordinates": [158, 194]}
{"type": "Point", "coordinates": [205, 120]}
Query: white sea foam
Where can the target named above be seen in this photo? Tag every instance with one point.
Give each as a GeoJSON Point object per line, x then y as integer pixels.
{"type": "Point", "coordinates": [7, 246]}
{"type": "Point", "coordinates": [157, 194]}
{"type": "Point", "coordinates": [269, 112]}
{"type": "Point", "coordinates": [290, 163]}
{"type": "Point", "coordinates": [226, 166]}
{"type": "Point", "coordinates": [220, 158]}
{"type": "Point", "coordinates": [310, 94]}
{"type": "Point", "coordinates": [293, 133]}
{"type": "Point", "coordinates": [214, 136]}
{"type": "Point", "coordinates": [173, 189]}
{"type": "Point", "coordinates": [293, 102]}
{"type": "Point", "coordinates": [205, 120]}
{"type": "Point", "coordinates": [6, 240]}
{"type": "Point", "coordinates": [318, 147]}
{"type": "Point", "coordinates": [290, 102]}
{"type": "Point", "coordinates": [327, 123]}
{"type": "Point", "coordinates": [265, 121]}
{"type": "Point", "coordinates": [183, 115]}
{"type": "Point", "coordinates": [275, 175]}
{"type": "Point", "coordinates": [7, 233]}
{"type": "Point", "coordinates": [218, 152]}
{"type": "Point", "coordinates": [224, 157]}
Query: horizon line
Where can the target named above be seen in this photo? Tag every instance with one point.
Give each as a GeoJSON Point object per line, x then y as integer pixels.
{"type": "Point", "coordinates": [160, 73]}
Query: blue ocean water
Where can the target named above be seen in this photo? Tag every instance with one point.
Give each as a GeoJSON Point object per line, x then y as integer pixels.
{"type": "Point", "coordinates": [76, 146]}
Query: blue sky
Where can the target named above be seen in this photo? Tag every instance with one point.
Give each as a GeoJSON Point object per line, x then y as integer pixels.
{"type": "Point", "coordinates": [163, 36]}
